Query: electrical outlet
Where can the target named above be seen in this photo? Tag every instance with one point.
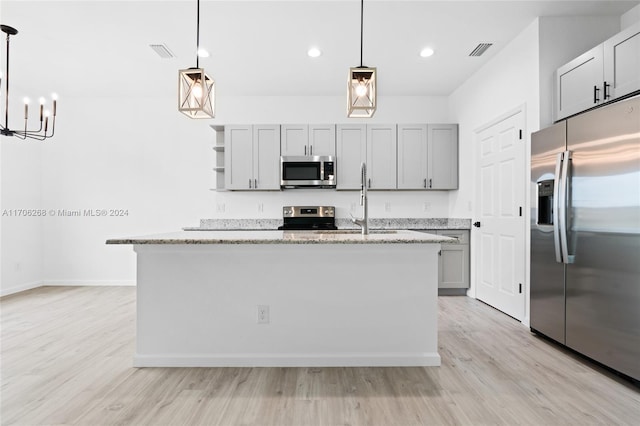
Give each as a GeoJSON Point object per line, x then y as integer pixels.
{"type": "Point", "coordinates": [352, 208]}
{"type": "Point", "coordinates": [220, 207]}
{"type": "Point", "coordinates": [427, 206]}
{"type": "Point", "coordinates": [263, 314]}
{"type": "Point", "coordinates": [260, 208]}
{"type": "Point", "coordinates": [18, 266]}
{"type": "Point", "coordinates": [387, 207]}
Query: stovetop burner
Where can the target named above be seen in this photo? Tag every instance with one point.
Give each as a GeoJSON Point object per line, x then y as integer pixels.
{"type": "Point", "coordinates": [308, 218]}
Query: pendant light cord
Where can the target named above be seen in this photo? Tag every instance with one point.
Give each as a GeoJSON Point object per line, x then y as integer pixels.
{"type": "Point", "coordinates": [198, 36]}
{"type": "Point", "coordinates": [6, 93]}
{"type": "Point", "coordinates": [361, 31]}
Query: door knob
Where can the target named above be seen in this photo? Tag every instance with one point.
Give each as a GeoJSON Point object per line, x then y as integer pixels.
{"type": "Point", "coordinates": [476, 224]}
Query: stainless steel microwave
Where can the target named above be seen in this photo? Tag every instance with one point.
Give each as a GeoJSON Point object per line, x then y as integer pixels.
{"type": "Point", "coordinates": [308, 172]}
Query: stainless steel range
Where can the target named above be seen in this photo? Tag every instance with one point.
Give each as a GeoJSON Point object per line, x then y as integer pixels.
{"type": "Point", "coordinates": [308, 218]}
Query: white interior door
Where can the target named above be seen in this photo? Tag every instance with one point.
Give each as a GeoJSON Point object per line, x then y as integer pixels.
{"type": "Point", "coordinates": [500, 189]}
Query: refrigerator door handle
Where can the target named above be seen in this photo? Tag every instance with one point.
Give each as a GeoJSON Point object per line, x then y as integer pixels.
{"type": "Point", "coordinates": [555, 207]}
{"type": "Point", "coordinates": [563, 202]}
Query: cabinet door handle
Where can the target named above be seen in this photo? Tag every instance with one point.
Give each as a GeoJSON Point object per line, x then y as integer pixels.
{"type": "Point", "coordinates": [369, 182]}
{"type": "Point", "coordinates": [311, 150]}
{"type": "Point", "coordinates": [255, 184]}
{"type": "Point", "coordinates": [305, 150]}
{"type": "Point", "coordinates": [249, 183]}
{"type": "Point", "coordinates": [425, 182]}
{"type": "Point", "coordinates": [430, 183]}
{"type": "Point", "coordinates": [596, 92]}
{"type": "Point", "coordinates": [606, 92]}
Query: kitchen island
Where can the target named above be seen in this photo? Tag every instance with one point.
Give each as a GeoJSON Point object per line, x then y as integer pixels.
{"type": "Point", "coordinates": [286, 298]}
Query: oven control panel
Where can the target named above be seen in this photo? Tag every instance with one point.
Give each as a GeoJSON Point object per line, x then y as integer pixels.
{"type": "Point", "coordinates": [308, 211]}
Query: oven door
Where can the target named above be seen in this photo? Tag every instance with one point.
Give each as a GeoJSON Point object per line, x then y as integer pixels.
{"type": "Point", "coordinates": [300, 171]}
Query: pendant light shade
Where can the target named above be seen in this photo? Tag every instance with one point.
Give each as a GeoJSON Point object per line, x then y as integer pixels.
{"type": "Point", "coordinates": [196, 92]}
{"type": "Point", "coordinates": [361, 86]}
{"type": "Point", "coordinates": [361, 92]}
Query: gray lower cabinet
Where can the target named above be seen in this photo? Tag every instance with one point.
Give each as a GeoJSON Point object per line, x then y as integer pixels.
{"type": "Point", "coordinates": [454, 260]}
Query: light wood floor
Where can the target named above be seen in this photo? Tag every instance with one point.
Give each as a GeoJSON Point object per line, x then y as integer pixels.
{"type": "Point", "coordinates": [67, 353]}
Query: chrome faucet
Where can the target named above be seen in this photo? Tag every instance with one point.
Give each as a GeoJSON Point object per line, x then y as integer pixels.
{"type": "Point", "coordinates": [364, 202]}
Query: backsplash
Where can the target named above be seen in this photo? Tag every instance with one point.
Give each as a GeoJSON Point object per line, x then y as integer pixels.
{"type": "Point", "coordinates": [375, 223]}
{"type": "Point", "coordinates": [382, 204]}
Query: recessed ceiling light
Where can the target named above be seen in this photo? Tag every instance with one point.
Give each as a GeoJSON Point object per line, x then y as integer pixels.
{"type": "Point", "coordinates": [426, 52]}
{"type": "Point", "coordinates": [203, 53]}
{"type": "Point", "coordinates": [314, 52]}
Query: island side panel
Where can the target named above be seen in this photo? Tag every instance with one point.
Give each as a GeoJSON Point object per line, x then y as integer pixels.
{"type": "Point", "coordinates": [329, 305]}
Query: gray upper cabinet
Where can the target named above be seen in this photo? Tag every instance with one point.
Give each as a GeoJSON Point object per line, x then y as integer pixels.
{"type": "Point", "coordinates": [622, 62]}
{"type": "Point", "coordinates": [578, 84]}
{"type": "Point", "coordinates": [403, 156]}
{"type": "Point", "coordinates": [322, 139]}
{"type": "Point", "coordinates": [428, 156]}
{"type": "Point", "coordinates": [238, 156]}
{"type": "Point", "coordinates": [442, 156]}
{"type": "Point", "coordinates": [412, 156]}
{"type": "Point", "coordinates": [374, 144]}
{"type": "Point", "coordinates": [351, 151]}
{"type": "Point", "coordinates": [252, 157]}
{"type": "Point", "coordinates": [381, 156]}
{"type": "Point", "coordinates": [604, 73]}
{"type": "Point", "coordinates": [312, 139]}
{"type": "Point", "coordinates": [295, 139]}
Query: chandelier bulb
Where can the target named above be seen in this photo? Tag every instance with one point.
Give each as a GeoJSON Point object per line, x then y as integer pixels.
{"type": "Point", "coordinates": [361, 89]}
{"type": "Point", "coordinates": [54, 96]}
{"type": "Point", "coordinates": [42, 100]}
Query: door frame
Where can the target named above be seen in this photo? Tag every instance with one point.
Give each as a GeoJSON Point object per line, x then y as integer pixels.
{"type": "Point", "coordinates": [475, 243]}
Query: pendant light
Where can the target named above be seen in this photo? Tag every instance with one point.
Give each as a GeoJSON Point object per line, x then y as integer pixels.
{"type": "Point", "coordinates": [361, 86]}
{"type": "Point", "coordinates": [196, 90]}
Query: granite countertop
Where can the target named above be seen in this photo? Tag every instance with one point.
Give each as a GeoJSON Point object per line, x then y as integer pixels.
{"type": "Point", "coordinates": [341, 223]}
{"type": "Point", "coordinates": [287, 237]}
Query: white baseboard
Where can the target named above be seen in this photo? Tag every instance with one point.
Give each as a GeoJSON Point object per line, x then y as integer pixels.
{"type": "Point", "coordinates": [88, 283]}
{"type": "Point", "coordinates": [20, 287]}
{"type": "Point", "coordinates": [289, 360]}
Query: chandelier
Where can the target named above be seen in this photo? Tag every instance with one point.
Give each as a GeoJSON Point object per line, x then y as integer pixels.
{"type": "Point", "coordinates": [361, 86]}
{"type": "Point", "coordinates": [43, 132]}
{"type": "Point", "coordinates": [196, 92]}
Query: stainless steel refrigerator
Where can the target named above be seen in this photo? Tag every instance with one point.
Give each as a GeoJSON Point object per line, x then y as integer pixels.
{"type": "Point", "coordinates": [585, 234]}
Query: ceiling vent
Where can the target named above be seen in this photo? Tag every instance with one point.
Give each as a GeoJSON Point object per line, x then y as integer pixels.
{"type": "Point", "coordinates": [480, 49]}
{"type": "Point", "coordinates": [162, 51]}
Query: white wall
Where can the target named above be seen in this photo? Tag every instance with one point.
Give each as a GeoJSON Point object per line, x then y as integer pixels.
{"type": "Point", "coordinates": [21, 236]}
{"type": "Point", "coordinates": [630, 18]}
{"type": "Point", "coordinates": [140, 156]}
{"type": "Point", "coordinates": [509, 81]}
